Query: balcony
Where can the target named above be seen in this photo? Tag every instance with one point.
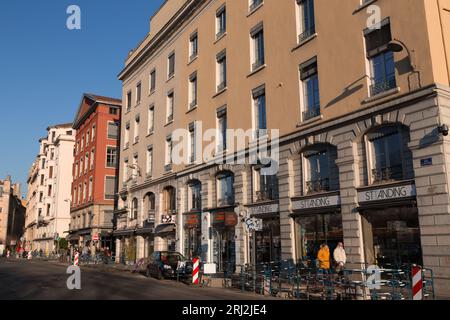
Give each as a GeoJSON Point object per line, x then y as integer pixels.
{"type": "Point", "coordinates": [308, 33]}
{"type": "Point", "coordinates": [318, 186]}
{"type": "Point", "coordinates": [382, 175]}
{"type": "Point", "coordinates": [311, 113]}
{"type": "Point", "coordinates": [382, 86]}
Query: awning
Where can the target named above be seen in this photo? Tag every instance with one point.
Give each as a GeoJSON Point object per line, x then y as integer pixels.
{"type": "Point", "coordinates": [73, 237]}
{"type": "Point", "coordinates": [165, 228]}
{"type": "Point", "coordinates": [145, 231]}
{"type": "Point", "coordinates": [125, 232]}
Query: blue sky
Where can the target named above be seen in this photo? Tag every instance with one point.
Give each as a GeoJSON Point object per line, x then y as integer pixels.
{"type": "Point", "coordinates": [45, 68]}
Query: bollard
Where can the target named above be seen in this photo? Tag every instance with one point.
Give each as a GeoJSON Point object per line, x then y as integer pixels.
{"type": "Point", "coordinates": [417, 283]}
{"type": "Point", "coordinates": [195, 271]}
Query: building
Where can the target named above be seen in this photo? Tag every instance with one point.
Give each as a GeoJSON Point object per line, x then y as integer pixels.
{"type": "Point", "coordinates": [12, 214]}
{"type": "Point", "coordinates": [94, 171]}
{"type": "Point", "coordinates": [362, 111]}
{"type": "Point", "coordinates": [49, 190]}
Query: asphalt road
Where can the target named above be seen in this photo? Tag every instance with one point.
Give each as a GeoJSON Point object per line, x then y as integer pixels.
{"type": "Point", "coordinates": [38, 280]}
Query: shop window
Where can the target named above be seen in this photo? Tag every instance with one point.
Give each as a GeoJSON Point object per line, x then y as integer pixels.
{"type": "Point", "coordinates": [389, 156]}
{"type": "Point", "coordinates": [225, 190]}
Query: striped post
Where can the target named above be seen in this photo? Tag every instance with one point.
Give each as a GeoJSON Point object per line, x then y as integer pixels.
{"type": "Point", "coordinates": [417, 283]}
{"type": "Point", "coordinates": [29, 255]}
{"type": "Point", "coordinates": [195, 271]}
{"type": "Point", "coordinates": [76, 260]}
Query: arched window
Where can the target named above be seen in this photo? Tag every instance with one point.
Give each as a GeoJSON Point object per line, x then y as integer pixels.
{"type": "Point", "coordinates": [225, 189]}
{"type": "Point", "coordinates": [320, 170]}
{"type": "Point", "coordinates": [195, 196]}
{"type": "Point", "coordinates": [134, 209]}
{"type": "Point", "coordinates": [389, 158]}
{"type": "Point", "coordinates": [150, 206]}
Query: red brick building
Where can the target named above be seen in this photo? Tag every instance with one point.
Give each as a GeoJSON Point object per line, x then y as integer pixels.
{"type": "Point", "coordinates": [95, 170]}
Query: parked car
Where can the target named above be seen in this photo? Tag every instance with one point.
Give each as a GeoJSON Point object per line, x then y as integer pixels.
{"type": "Point", "coordinates": [165, 264]}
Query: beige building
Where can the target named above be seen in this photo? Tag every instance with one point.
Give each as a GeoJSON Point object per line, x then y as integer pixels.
{"type": "Point", "coordinates": [49, 190]}
{"type": "Point", "coordinates": [12, 214]}
{"type": "Point", "coordinates": [362, 111]}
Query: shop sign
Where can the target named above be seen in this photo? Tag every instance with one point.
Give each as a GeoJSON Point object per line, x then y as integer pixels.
{"type": "Point", "coordinates": [229, 219]}
{"type": "Point", "coordinates": [168, 219]}
{"type": "Point", "coordinates": [193, 220]}
{"type": "Point", "coordinates": [391, 193]}
{"type": "Point", "coordinates": [319, 202]}
{"type": "Point", "coordinates": [271, 208]}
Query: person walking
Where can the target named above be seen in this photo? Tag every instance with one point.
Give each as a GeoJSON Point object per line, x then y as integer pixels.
{"type": "Point", "coordinates": [340, 257]}
{"type": "Point", "coordinates": [323, 256]}
{"type": "Point", "coordinates": [69, 257]}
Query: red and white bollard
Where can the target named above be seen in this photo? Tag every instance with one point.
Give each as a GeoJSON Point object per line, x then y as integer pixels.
{"type": "Point", "coordinates": [29, 255]}
{"type": "Point", "coordinates": [417, 283]}
{"type": "Point", "coordinates": [195, 271]}
{"type": "Point", "coordinates": [8, 253]}
{"type": "Point", "coordinates": [76, 260]}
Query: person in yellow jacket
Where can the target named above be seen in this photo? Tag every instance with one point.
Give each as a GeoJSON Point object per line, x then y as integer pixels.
{"type": "Point", "coordinates": [324, 257]}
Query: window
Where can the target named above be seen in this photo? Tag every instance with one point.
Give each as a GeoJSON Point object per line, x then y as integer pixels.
{"type": "Point", "coordinates": [192, 144]}
{"type": "Point", "coordinates": [134, 209]}
{"type": "Point", "coordinates": [306, 19]}
{"type": "Point", "coordinates": [125, 170]}
{"type": "Point", "coordinates": [381, 59]}
{"type": "Point", "coordinates": [129, 101]}
{"type": "Point", "coordinates": [221, 71]}
{"type": "Point", "coordinates": [88, 137]}
{"type": "Point", "coordinates": [41, 196]}
{"type": "Point", "coordinates": [42, 179]}
{"type": "Point", "coordinates": [127, 135]}
{"type": "Point", "coordinates": [86, 162]}
{"type": "Point", "coordinates": [388, 152]}
{"type": "Point", "coordinates": [254, 4]}
{"type": "Point", "coordinates": [259, 105]}
{"type": "Point", "coordinates": [50, 190]}
{"type": "Point", "coordinates": [317, 172]}
{"type": "Point", "coordinates": [50, 172]}
{"type": "Point", "coordinates": [171, 66]}
{"type": "Point", "coordinates": [265, 186]}
{"type": "Point", "coordinates": [151, 119]}
{"type": "Point", "coordinates": [92, 158]}
{"type": "Point", "coordinates": [222, 129]}
{"type": "Point", "coordinates": [113, 111]}
{"type": "Point", "coordinates": [113, 130]}
{"type": "Point", "coordinates": [169, 196]}
{"type": "Point", "coordinates": [221, 22]}
{"type": "Point", "coordinates": [77, 148]}
{"type": "Point", "coordinates": [193, 87]}
{"type": "Point", "coordinates": [169, 153]}
{"type": "Point", "coordinates": [170, 106]}
{"type": "Point", "coordinates": [138, 93]}
{"type": "Point", "coordinates": [110, 188]}
{"type": "Point", "coordinates": [135, 167]}
{"type": "Point", "coordinates": [81, 167]}
{"type": "Point", "coordinates": [90, 188]}
{"type": "Point", "coordinates": [225, 190]}
{"type": "Point", "coordinates": [149, 168]}
{"type": "Point", "coordinates": [48, 210]}
{"type": "Point", "coordinates": [75, 174]}
{"type": "Point", "coordinates": [111, 157]}
{"type": "Point", "coordinates": [93, 133]}
{"type": "Point", "coordinates": [193, 46]}
{"type": "Point", "coordinates": [150, 203]}
{"type": "Point", "coordinates": [153, 81]}
{"type": "Point", "coordinates": [310, 82]}
{"type": "Point", "coordinates": [257, 36]}
{"type": "Point", "coordinates": [137, 122]}
{"type": "Point", "coordinates": [85, 191]}
{"type": "Point", "coordinates": [195, 196]}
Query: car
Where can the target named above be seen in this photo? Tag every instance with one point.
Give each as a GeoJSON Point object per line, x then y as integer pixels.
{"type": "Point", "coordinates": [166, 264]}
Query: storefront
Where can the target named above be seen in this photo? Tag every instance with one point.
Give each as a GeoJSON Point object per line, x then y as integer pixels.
{"type": "Point", "coordinates": [317, 221]}
{"type": "Point", "coordinates": [167, 232]}
{"type": "Point", "coordinates": [390, 225]}
{"type": "Point", "coordinates": [224, 239]}
{"type": "Point", "coordinates": [265, 236]}
{"type": "Point", "coordinates": [192, 234]}
{"type": "Point", "coordinates": [148, 234]}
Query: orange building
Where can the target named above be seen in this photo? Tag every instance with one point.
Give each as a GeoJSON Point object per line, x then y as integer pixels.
{"type": "Point", "coordinates": [95, 170]}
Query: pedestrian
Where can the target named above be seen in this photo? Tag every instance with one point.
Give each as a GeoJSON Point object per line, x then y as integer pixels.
{"type": "Point", "coordinates": [323, 257]}
{"type": "Point", "coordinates": [340, 257]}
{"type": "Point", "coordinates": [69, 258]}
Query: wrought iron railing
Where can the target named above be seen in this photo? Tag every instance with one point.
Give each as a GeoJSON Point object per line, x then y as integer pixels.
{"type": "Point", "coordinates": [306, 34]}
{"type": "Point", "coordinates": [221, 86]}
{"type": "Point", "coordinates": [317, 186]}
{"type": "Point", "coordinates": [311, 113]}
{"type": "Point", "coordinates": [382, 86]}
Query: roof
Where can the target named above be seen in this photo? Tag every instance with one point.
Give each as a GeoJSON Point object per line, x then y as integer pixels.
{"type": "Point", "coordinates": [58, 126]}
{"type": "Point", "coordinates": [89, 103]}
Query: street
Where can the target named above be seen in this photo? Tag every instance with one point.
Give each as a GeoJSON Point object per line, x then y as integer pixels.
{"type": "Point", "coordinates": [38, 280]}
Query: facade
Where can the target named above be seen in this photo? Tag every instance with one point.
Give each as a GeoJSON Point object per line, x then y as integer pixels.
{"type": "Point", "coordinates": [49, 190]}
{"type": "Point", "coordinates": [362, 114]}
{"type": "Point", "coordinates": [12, 214]}
{"type": "Point", "coordinates": [94, 171]}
